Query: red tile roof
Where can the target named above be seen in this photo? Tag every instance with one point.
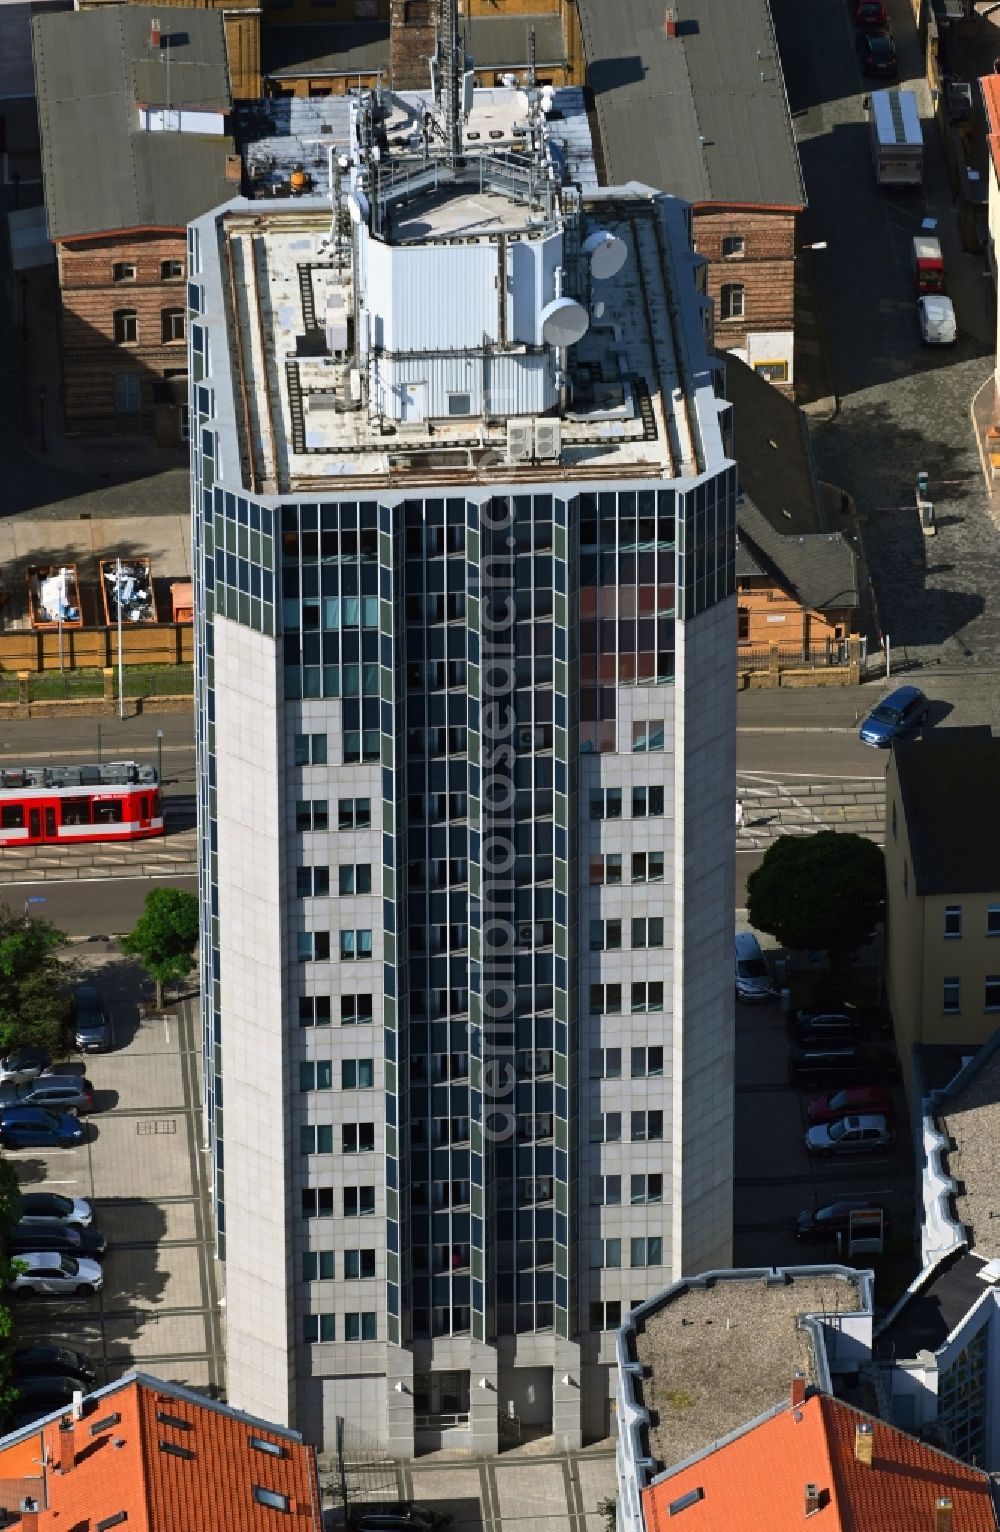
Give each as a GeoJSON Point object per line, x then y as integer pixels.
{"type": "Point", "coordinates": [990, 87]}
{"type": "Point", "coordinates": [758, 1481]}
{"type": "Point", "coordinates": [168, 1459]}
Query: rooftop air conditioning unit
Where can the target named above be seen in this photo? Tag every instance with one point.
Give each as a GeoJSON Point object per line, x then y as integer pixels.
{"type": "Point", "coordinates": [548, 437]}
{"type": "Point", "coordinates": [519, 441]}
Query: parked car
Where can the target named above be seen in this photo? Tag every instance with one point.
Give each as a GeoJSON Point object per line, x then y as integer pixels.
{"type": "Point", "coordinates": [818, 1026]}
{"type": "Point", "coordinates": [23, 1064]}
{"type": "Point", "coordinates": [71, 1093]}
{"type": "Point", "coordinates": [903, 710]}
{"type": "Point", "coordinates": [49, 1271]}
{"type": "Point", "coordinates": [870, 13]}
{"type": "Point", "coordinates": [46, 1205]}
{"type": "Point", "coordinates": [397, 1516]}
{"type": "Point", "coordinates": [91, 1024]}
{"type": "Point", "coordinates": [45, 1392]}
{"type": "Point", "coordinates": [936, 316]}
{"type": "Point", "coordinates": [753, 980]}
{"type": "Point", "coordinates": [64, 1068]}
{"type": "Point", "coordinates": [819, 1064]}
{"type": "Point", "coordinates": [825, 1223]}
{"type": "Point", "coordinates": [22, 1127]}
{"type": "Point", "coordinates": [877, 54]}
{"type": "Point", "coordinates": [43, 1361]}
{"type": "Point", "coordinates": [850, 1135]}
{"type": "Point", "coordinates": [51, 1234]}
{"type": "Point", "coordinates": [856, 1098]}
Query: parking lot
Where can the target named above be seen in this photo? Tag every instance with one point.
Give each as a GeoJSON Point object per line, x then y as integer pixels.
{"type": "Point", "coordinates": [143, 1167]}
{"type": "Point", "coordinates": [777, 1177]}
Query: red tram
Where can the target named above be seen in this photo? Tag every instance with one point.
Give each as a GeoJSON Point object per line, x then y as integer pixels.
{"type": "Point", "coordinates": [63, 805]}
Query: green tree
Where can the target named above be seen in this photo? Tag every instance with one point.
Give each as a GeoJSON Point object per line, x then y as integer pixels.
{"type": "Point", "coordinates": [33, 1002]}
{"type": "Point", "coordinates": [822, 892]}
{"type": "Point", "coordinates": [165, 936]}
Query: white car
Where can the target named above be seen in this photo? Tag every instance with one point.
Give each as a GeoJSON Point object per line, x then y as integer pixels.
{"type": "Point", "coordinates": [49, 1205]}
{"type": "Point", "coordinates": [937, 320]}
{"type": "Point", "coordinates": [50, 1271]}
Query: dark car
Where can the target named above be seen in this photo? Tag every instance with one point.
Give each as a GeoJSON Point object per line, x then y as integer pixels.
{"type": "Point", "coordinates": [37, 1234]}
{"type": "Point", "coordinates": [822, 1026]}
{"type": "Point", "coordinates": [22, 1127]}
{"type": "Point", "coordinates": [22, 1064]}
{"type": "Point", "coordinates": [819, 1064]}
{"type": "Point", "coordinates": [397, 1516]}
{"type": "Point", "coordinates": [877, 54]}
{"type": "Point", "coordinates": [903, 710]}
{"type": "Point", "coordinates": [42, 1393]}
{"type": "Point", "coordinates": [60, 1093]}
{"type": "Point", "coordinates": [824, 1224]}
{"type": "Point", "coordinates": [91, 1024]}
{"type": "Point", "coordinates": [44, 1361]}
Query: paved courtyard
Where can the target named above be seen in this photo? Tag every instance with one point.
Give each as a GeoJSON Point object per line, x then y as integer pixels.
{"type": "Point", "coordinates": [903, 407]}
{"type": "Point", "coordinates": [143, 1167]}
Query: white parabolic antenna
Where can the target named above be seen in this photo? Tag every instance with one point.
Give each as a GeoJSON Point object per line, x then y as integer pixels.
{"type": "Point", "coordinates": [357, 206]}
{"type": "Point", "coordinates": [564, 322]}
{"type": "Point", "coordinates": [607, 254]}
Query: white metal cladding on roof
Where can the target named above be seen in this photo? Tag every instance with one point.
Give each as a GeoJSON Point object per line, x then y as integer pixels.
{"type": "Point", "coordinates": [498, 384]}
{"type": "Point", "coordinates": [897, 119]}
{"type": "Point", "coordinates": [531, 284]}
{"type": "Point", "coordinates": [431, 297]}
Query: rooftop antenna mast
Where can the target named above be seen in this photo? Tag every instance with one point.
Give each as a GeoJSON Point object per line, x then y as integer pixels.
{"type": "Point", "coordinates": [452, 66]}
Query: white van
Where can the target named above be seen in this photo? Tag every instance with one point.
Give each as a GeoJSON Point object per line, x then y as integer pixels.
{"type": "Point", "coordinates": [753, 981]}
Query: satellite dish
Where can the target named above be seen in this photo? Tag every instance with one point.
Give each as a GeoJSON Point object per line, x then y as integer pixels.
{"type": "Point", "coordinates": [357, 206]}
{"type": "Point", "coordinates": [564, 322]}
{"type": "Point", "coordinates": [607, 252]}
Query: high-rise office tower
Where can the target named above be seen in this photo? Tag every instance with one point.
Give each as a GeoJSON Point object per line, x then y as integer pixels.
{"type": "Point", "coordinates": [465, 541]}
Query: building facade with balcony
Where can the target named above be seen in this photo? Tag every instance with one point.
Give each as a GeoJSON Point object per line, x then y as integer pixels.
{"type": "Point", "coordinates": [465, 539]}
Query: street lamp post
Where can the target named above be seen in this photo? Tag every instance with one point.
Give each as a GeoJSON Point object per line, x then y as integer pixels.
{"type": "Point", "coordinates": [159, 757]}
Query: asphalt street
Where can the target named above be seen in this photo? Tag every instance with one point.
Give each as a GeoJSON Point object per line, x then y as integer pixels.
{"type": "Point", "coordinates": [903, 407]}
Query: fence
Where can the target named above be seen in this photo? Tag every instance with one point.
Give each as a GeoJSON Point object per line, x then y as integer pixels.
{"type": "Point", "coordinates": [828, 657]}
{"type": "Point", "coordinates": [27, 687]}
{"type": "Point", "coordinates": [358, 1469]}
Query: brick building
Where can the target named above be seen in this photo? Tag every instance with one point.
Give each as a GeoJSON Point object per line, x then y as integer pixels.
{"type": "Point", "coordinates": [152, 97]}
{"type": "Point", "coordinates": [797, 572]}
{"type": "Point", "coordinates": [697, 105]}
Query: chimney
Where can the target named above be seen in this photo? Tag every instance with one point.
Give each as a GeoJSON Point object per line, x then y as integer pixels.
{"type": "Point", "coordinates": [942, 1515]}
{"type": "Point", "coordinates": [798, 1391]}
{"type": "Point", "coordinates": [864, 1442]}
{"type": "Point", "coordinates": [67, 1447]}
{"type": "Point", "coordinates": [812, 1499]}
{"type": "Point", "coordinates": [154, 34]}
{"type": "Point", "coordinates": [29, 1515]}
{"type": "Point", "coordinates": [670, 22]}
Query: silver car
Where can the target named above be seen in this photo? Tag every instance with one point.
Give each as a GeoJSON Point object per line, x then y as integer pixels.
{"type": "Point", "coordinates": [850, 1135]}
{"type": "Point", "coordinates": [51, 1271]}
{"type": "Point", "coordinates": [49, 1205]}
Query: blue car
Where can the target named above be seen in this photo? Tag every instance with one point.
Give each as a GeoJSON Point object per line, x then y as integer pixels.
{"type": "Point", "coordinates": [24, 1126]}
{"type": "Point", "coordinates": [903, 710]}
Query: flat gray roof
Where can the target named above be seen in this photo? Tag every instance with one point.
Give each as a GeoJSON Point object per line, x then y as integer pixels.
{"type": "Point", "coordinates": [719, 1354]}
{"type": "Point", "coordinates": [971, 1119]}
{"type": "Point", "coordinates": [92, 71]}
{"type": "Point", "coordinates": [362, 47]}
{"type": "Point", "coordinates": [703, 114]}
{"type": "Point", "coordinates": [948, 784]}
